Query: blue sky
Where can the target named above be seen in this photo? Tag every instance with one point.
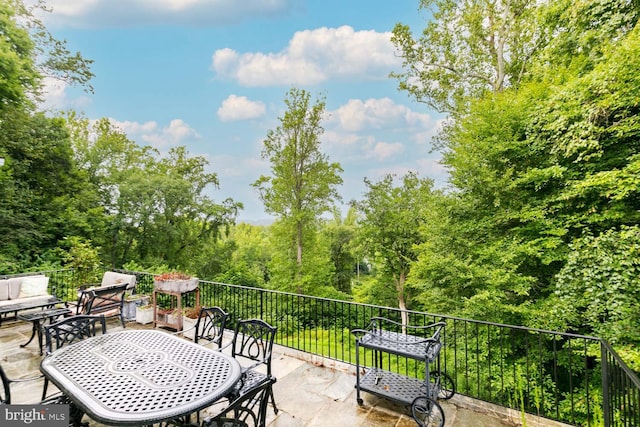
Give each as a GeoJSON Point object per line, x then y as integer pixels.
{"type": "Point", "coordinates": [212, 75]}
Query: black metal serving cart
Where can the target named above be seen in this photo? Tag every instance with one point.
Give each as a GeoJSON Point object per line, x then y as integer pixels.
{"type": "Point", "coordinates": [422, 343]}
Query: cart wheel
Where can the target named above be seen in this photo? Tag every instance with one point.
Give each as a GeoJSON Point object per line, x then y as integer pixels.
{"type": "Point", "coordinates": [427, 412]}
{"type": "Point", "coordinates": [446, 386]}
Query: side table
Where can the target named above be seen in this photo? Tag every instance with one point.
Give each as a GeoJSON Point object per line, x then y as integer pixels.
{"type": "Point", "coordinates": [38, 318]}
{"type": "Point", "coordinates": [178, 297]}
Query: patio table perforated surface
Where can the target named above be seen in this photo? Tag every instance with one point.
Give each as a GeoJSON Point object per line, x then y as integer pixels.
{"type": "Point", "coordinates": [140, 377]}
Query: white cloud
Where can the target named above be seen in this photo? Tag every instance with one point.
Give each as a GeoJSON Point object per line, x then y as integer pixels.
{"type": "Point", "coordinates": [377, 136]}
{"type": "Point", "coordinates": [384, 150]}
{"type": "Point", "coordinates": [375, 116]}
{"type": "Point", "coordinates": [357, 115]}
{"type": "Point", "coordinates": [312, 57]}
{"type": "Point", "coordinates": [381, 113]}
{"type": "Point", "coordinates": [236, 167]}
{"type": "Point", "coordinates": [434, 169]}
{"type": "Point", "coordinates": [240, 108]}
{"type": "Point", "coordinates": [174, 134]}
{"type": "Point", "coordinates": [123, 13]}
{"type": "Point", "coordinates": [55, 96]}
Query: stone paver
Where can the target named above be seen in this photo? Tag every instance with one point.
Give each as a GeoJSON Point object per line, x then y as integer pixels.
{"type": "Point", "coordinates": [309, 392]}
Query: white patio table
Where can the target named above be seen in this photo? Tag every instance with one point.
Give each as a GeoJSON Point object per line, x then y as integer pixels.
{"type": "Point", "coordinates": [140, 377]}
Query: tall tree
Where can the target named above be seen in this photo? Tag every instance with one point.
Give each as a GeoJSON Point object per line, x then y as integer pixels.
{"type": "Point", "coordinates": [159, 208]}
{"type": "Point", "coordinates": [467, 49]}
{"type": "Point", "coordinates": [303, 182]}
{"type": "Point", "coordinates": [390, 222]}
{"type": "Point", "coordinates": [42, 195]}
{"type": "Point", "coordinates": [28, 53]}
{"type": "Point", "coordinates": [538, 165]}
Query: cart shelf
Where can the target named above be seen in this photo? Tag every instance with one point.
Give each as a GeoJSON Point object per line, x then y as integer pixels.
{"type": "Point", "coordinates": [383, 336]}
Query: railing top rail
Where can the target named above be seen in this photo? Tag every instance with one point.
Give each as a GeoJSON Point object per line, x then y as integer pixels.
{"type": "Point", "coordinates": [418, 313]}
{"type": "Point", "coordinates": [370, 306]}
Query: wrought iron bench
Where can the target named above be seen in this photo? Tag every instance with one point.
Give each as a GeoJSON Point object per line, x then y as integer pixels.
{"type": "Point", "coordinates": [24, 292]}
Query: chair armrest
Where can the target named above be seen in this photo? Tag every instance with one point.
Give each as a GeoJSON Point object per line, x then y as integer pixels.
{"type": "Point", "coordinates": [182, 331]}
{"type": "Point", "coordinates": [24, 380]}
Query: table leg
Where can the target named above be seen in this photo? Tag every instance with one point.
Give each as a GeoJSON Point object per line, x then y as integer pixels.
{"type": "Point", "coordinates": [40, 336]}
{"type": "Point", "coordinates": [76, 415]}
{"type": "Point", "coordinates": [34, 330]}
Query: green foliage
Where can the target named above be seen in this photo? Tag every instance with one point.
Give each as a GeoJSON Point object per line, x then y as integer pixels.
{"type": "Point", "coordinates": [80, 254]}
{"type": "Point", "coordinates": [302, 185]}
{"type": "Point", "coordinates": [284, 271]}
{"type": "Point", "coordinates": [533, 169]}
{"type": "Point", "coordinates": [372, 289]}
{"type": "Point", "coordinates": [17, 52]}
{"type": "Point", "coordinates": [250, 257]}
{"type": "Point", "coordinates": [158, 207]}
{"type": "Point", "coordinates": [44, 197]}
{"type": "Point", "coordinates": [340, 236]}
{"type": "Point", "coordinates": [29, 53]}
{"type": "Point", "coordinates": [599, 287]}
{"type": "Point", "coordinates": [468, 49]}
{"type": "Point", "coordinates": [390, 221]}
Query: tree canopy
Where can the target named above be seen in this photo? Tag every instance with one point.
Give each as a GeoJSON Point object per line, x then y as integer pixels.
{"type": "Point", "coordinates": [537, 226]}
{"type": "Point", "coordinates": [303, 183]}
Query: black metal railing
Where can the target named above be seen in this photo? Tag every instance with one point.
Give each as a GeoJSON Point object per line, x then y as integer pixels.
{"type": "Point", "coordinates": [621, 391]}
{"type": "Point", "coordinates": [575, 379]}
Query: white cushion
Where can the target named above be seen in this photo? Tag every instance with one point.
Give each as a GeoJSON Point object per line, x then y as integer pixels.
{"type": "Point", "coordinates": [113, 278]}
{"type": "Point", "coordinates": [38, 299]}
{"type": "Point", "coordinates": [4, 290]}
{"type": "Point", "coordinates": [34, 286]}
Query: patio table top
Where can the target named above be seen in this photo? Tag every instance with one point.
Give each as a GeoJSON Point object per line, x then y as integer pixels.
{"type": "Point", "coordinates": [139, 377]}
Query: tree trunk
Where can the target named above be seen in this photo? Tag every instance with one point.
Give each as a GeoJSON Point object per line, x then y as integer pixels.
{"type": "Point", "coordinates": [299, 255]}
{"type": "Point", "coordinates": [402, 304]}
{"type": "Point", "coordinates": [299, 244]}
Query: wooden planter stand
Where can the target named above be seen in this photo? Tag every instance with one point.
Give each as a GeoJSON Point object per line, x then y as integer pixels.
{"type": "Point", "coordinates": [177, 297]}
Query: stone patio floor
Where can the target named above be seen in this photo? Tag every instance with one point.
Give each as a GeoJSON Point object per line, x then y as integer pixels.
{"type": "Point", "coordinates": [309, 391]}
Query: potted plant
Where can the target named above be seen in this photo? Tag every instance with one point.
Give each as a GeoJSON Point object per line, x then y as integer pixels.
{"type": "Point", "coordinates": [130, 304]}
{"type": "Point", "coordinates": [172, 316]}
{"type": "Point", "coordinates": [175, 281]}
{"type": "Point", "coordinates": [189, 320]}
{"type": "Point", "coordinates": [144, 314]}
{"type": "Point", "coordinates": [162, 314]}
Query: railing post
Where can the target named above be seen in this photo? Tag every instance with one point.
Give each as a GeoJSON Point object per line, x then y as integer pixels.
{"type": "Point", "coordinates": [604, 363]}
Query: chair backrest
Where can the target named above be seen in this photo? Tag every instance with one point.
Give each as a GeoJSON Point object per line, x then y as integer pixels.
{"type": "Point", "coordinates": [107, 300]}
{"type": "Point", "coordinates": [247, 410]}
{"type": "Point", "coordinates": [72, 329]}
{"type": "Point", "coordinates": [210, 325]}
{"type": "Point", "coordinates": [253, 340]}
{"type": "Point", "coordinates": [113, 278]}
{"type": "Point", "coordinates": [5, 391]}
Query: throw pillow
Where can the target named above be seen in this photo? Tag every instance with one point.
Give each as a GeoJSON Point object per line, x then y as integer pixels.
{"type": "Point", "coordinates": [14, 287]}
{"type": "Point", "coordinates": [34, 286]}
